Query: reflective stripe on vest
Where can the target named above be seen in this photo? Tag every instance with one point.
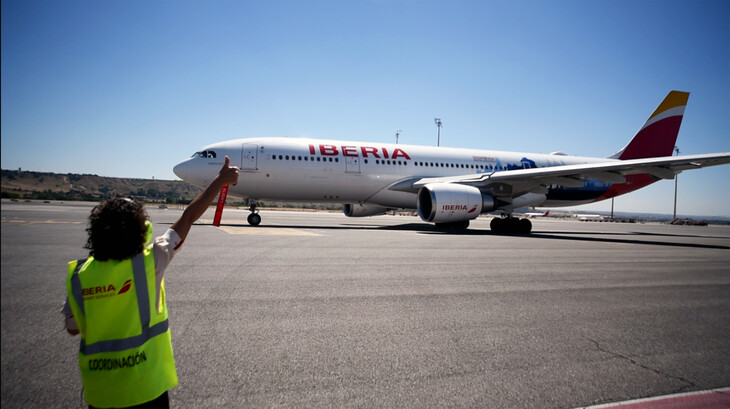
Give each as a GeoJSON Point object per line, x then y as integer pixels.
{"type": "Point", "coordinates": [76, 285]}
{"type": "Point", "coordinates": [143, 304]}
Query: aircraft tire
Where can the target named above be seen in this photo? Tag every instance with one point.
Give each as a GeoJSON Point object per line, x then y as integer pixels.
{"type": "Point", "coordinates": [497, 225]}
{"type": "Point", "coordinates": [524, 226]}
{"type": "Point", "coordinates": [510, 226]}
{"type": "Point", "coordinates": [254, 219]}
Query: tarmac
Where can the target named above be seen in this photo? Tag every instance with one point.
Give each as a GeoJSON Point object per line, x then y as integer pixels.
{"type": "Point", "coordinates": [317, 310]}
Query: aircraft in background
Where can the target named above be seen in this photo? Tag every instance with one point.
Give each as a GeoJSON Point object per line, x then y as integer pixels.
{"type": "Point", "coordinates": [530, 215]}
{"type": "Point", "coordinates": [448, 186]}
{"type": "Point", "coordinates": [589, 217]}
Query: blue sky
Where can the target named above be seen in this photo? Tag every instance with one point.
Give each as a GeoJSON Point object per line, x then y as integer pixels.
{"type": "Point", "coordinates": [130, 88]}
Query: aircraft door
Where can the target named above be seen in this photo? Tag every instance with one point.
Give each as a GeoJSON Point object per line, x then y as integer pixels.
{"type": "Point", "coordinates": [249, 155]}
{"type": "Point", "coordinates": [352, 164]}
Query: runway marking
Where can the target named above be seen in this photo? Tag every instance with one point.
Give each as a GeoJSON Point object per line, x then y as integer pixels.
{"type": "Point", "coordinates": [261, 231]}
{"type": "Point", "coordinates": [710, 399]}
{"type": "Point", "coordinates": [19, 221]}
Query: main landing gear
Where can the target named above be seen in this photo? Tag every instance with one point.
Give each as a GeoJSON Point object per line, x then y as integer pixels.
{"type": "Point", "coordinates": [510, 225]}
{"type": "Point", "coordinates": [253, 219]}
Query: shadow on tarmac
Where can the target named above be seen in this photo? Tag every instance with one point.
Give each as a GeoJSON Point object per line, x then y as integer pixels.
{"type": "Point", "coordinates": [600, 237]}
{"type": "Point", "coordinates": [615, 240]}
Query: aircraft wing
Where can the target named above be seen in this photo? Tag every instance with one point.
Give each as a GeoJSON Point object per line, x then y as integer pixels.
{"type": "Point", "coordinates": [515, 182]}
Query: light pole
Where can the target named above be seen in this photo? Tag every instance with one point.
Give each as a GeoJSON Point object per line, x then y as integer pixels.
{"type": "Point", "coordinates": [676, 150]}
{"type": "Point", "coordinates": [437, 121]}
{"type": "Point", "coordinates": [397, 135]}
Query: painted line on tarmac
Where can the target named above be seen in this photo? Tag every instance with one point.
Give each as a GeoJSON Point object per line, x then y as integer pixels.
{"type": "Point", "coordinates": [261, 231]}
{"type": "Point", "coordinates": [19, 221]}
{"type": "Point", "coordinates": [710, 399]}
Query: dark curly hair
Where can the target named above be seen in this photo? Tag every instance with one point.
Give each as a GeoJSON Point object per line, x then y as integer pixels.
{"type": "Point", "coordinates": [116, 229]}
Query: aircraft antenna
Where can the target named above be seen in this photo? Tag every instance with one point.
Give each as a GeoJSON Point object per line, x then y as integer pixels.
{"type": "Point", "coordinates": [437, 121]}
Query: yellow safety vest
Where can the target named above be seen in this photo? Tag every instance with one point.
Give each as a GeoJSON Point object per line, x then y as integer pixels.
{"type": "Point", "coordinates": [125, 355]}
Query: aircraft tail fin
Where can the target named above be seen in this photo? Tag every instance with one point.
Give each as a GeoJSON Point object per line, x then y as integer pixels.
{"type": "Point", "coordinates": [659, 133]}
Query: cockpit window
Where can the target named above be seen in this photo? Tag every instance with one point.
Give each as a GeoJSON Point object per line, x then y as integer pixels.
{"type": "Point", "coordinates": [204, 154]}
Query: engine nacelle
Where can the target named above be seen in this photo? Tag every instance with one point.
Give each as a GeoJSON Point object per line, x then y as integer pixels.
{"type": "Point", "coordinates": [360, 210]}
{"type": "Point", "coordinates": [452, 202]}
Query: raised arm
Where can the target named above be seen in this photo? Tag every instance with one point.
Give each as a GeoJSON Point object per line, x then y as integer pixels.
{"type": "Point", "coordinates": [228, 175]}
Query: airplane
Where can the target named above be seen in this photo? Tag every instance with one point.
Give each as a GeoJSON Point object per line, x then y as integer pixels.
{"type": "Point", "coordinates": [589, 217]}
{"type": "Point", "coordinates": [447, 186]}
{"type": "Point", "coordinates": [530, 215]}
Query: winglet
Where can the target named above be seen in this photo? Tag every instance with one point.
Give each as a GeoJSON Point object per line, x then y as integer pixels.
{"type": "Point", "coordinates": [659, 133]}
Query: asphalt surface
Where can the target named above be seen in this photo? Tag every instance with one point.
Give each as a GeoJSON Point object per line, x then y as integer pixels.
{"type": "Point", "coordinates": [320, 310]}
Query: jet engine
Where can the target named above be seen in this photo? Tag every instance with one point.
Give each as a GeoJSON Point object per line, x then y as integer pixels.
{"type": "Point", "coordinates": [452, 202]}
{"type": "Point", "coordinates": [362, 210]}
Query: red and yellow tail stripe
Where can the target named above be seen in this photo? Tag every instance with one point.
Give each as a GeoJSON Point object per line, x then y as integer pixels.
{"type": "Point", "coordinates": [659, 133]}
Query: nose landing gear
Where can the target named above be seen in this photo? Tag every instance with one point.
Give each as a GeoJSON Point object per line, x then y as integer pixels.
{"type": "Point", "coordinates": [253, 219]}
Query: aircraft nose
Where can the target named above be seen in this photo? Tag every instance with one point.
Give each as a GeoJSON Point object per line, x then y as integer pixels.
{"type": "Point", "coordinates": [182, 170]}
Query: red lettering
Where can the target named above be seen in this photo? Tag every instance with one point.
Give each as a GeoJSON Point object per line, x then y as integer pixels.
{"type": "Point", "coordinates": [350, 151]}
{"type": "Point", "coordinates": [368, 150]}
{"type": "Point", "coordinates": [97, 290]}
{"type": "Point", "coordinates": [400, 152]}
{"type": "Point", "coordinates": [328, 150]}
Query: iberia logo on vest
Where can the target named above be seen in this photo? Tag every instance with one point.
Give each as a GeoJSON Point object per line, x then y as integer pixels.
{"type": "Point", "coordinates": [104, 291]}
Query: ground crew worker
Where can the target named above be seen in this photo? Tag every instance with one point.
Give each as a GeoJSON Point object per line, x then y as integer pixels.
{"type": "Point", "coordinates": [116, 301]}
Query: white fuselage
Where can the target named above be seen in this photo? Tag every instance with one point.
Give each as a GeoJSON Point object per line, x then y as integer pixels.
{"type": "Point", "coordinates": [315, 170]}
